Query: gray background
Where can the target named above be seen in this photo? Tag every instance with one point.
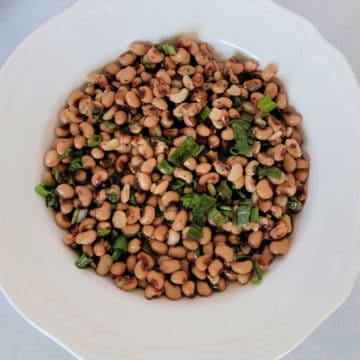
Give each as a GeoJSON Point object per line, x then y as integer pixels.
{"type": "Point", "coordinates": [338, 337]}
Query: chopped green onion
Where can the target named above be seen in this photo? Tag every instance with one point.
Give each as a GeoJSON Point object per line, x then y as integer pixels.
{"type": "Point", "coordinates": [247, 119]}
{"type": "Point", "coordinates": [109, 124]}
{"type": "Point", "coordinates": [103, 233]}
{"type": "Point", "coordinates": [83, 261]}
{"type": "Point", "coordinates": [97, 114]}
{"type": "Point", "coordinates": [167, 49]}
{"type": "Point", "coordinates": [146, 65]}
{"type": "Point", "coordinates": [66, 153]}
{"type": "Point", "coordinates": [216, 217]}
{"type": "Point", "coordinates": [266, 104]}
{"type": "Point", "coordinates": [194, 232]}
{"type": "Point", "coordinates": [120, 243]}
{"type": "Point", "coordinates": [203, 207]}
{"type": "Point", "coordinates": [76, 162]}
{"type": "Point", "coordinates": [242, 214]}
{"type": "Point", "coordinates": [140, 235]}
{"type": "Point", "coordinates": [57, 176]}
{"type": "Point", "coordinates": [189, 201]}
{"type": "Point", "coordinates": [243, 194]}
{"type": "Point", "coordinates": [241, 257]}
{"type": "Point", "coordinates": [120, 246]}
{"type": "Point", "coordinates": [165, 167]}
{"type": "Point", "coordinates": [41, 190]}
{"type": "Point", "coordinates": [111, 195]}
{"type": "Point", "coordinates": [224, 190]}
{"type": "Point", "coordinates": [114, 178]}
{"type": "Point", "coordinates": [52, 201]}
{"type": "Point", "coordinates": [167, 140]}
{"type": "Point", "coordinates": [237, 102]}
{"type": "Point", "coordinates": [197, 253]}
{"type": "Point", "coordinates": [254, 214]}
{"type": "Point", "coordinates": [204, 113]}
{"type": "Point", "coordinates": [94, 141]}
{"type": "Point", "coordinates": [259, 274]}
{"type": "Point", "coordinates": [227, 211]}
{"type": "Point", "coordinates": [242, 142]}
{"type": "Point", "coordinates": [293, 203]}
{"type": "Point", "coordinates": [78, 216]}
{"type": "Point", "coordinates": [177, 184]}
{"type": "Point", "coordinates": [187, 149]}
{"type": "Point", "coordinates": [273, 172]}
{"type": "Point", "coordinates": [132, 200]}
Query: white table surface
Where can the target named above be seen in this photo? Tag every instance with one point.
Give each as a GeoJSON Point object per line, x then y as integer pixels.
{"type": "Point", "coordinates": [338, 337]}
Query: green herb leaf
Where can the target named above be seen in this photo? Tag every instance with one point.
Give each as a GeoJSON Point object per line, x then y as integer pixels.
{"type": "Point", "coordinates": [41, 190]}
{"type": "Point", "coordinates": [263, 171]}
{"type": "Point", "coordinates": [216, 217]}
{"type": "Point", "coordinates": [177, 184]}
{"type": "Point", "coordinates": [204, 113]}
{"type": "Point", "coordinates": [66, 153]}
{"type": "Point", "coordinates": [79, 215]}
{"type": "Point", "coordinates": [194, 232]}
{"type": "Point", "coordinates": [83, 262]}
{"type": "Point", "coordinates": [254, 214]}
{"type": "Point", "coordinates": [259, 274]}
{"type": "Point", "coordinates": [189, 201]}
{"type": "Point", "coordinates": [165, 167]}
{"type": "Point", "coordinates": [103, 233]}
{"type": "Point", "coordinates": [132, 200]}
{"type": "Point", "coordinates": [187, 149]}
{"type": "Point", "coordinates": [242, 214]}
{"type": "Point", "coordinates": [94, 141]}
{"type": "Point", "coordinates": [204, 206]}
{"type": "Point", "coordinates": [293, 203]}
{"type": "Point", "coordinates": [167, 49]}
{"type": "Point", "coordinates": [224, 190]}
{"type": "Point", "coordinates": [237, 102]}
{"type": "Point", "coordinates": [266, 105]}
{"type": "Point", "coordinates": [111, 195]}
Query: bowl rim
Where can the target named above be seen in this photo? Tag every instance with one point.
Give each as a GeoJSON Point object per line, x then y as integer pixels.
{"type": "Point", "coordinates": [335, 56]}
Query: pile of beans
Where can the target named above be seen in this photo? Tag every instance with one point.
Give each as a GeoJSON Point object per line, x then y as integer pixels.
{"type": "Point", "coordinates": [124, 210]}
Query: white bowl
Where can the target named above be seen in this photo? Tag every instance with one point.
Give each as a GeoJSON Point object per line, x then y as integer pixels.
{"type": "Point", "coordinates": [88, 315]}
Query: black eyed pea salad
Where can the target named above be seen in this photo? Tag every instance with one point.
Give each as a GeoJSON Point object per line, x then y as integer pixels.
{"type": "Point", "coordinates": [177, 173]}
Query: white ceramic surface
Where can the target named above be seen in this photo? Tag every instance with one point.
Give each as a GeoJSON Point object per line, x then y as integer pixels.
{"type": "Point", "coordinates": [87, 314]}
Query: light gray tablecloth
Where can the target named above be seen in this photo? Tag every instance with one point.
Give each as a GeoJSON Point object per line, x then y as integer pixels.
{"type": "Point", "coordinates": [338, 337]}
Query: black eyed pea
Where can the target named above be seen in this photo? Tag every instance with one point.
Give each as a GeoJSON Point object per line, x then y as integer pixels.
{"type": "Point", "coordinates": [279, 231]}
{"type": "Point", "coordinates": [158, 247]}
{"type": "Point", "coordinates": [235, 173]}
{"type": "Point", "coordinates": [154, 56]}
{"type": "Point", "coordinates": [289, 163]}
{"type": "Point", "coordinates": [139, 48]}
{"type": "Point", "coordinates": [126, 283]}
{"type": "Point", "coordinates": [180, 221]}
{"type": "Point", "coordinates": [215, 267]}
{"type": "Point", "coordinates": [179, 96]}
{"type": "Point", "coordinates": [133, 215]}
{"type": "Point", "coordinates": [222, 103]}
{"type": "Point", "coordinates": [150, 292]}
{"type": "Point", "coordinates": [160, 188]}
{"type": "Point", "coordinates": [148, 215]}
{"type": "Point", "coordinates": [65, 191]}
{"type": "Point", "coordinates": [141, 270]}
{"type": "Point", "coordinates": [244, 278]}
{"type": "Point", "coordinates": [252, 85]}
{"type": "Point", "coordinates": [221, 285]}
{"type": "Point", "coordinates": [265, 159]}
{"type": "Point", "coordinates": [242, 267]}
{"type": "Point", "coordinates": [179, 277]}
{"type": "Point", "coordinates": [209, 178]}
{"type": "Point", "coordinates": [84, 195]}
{"type": "Point", "coordinates": [104, 265]}
{"type": "Point", "coordinates": [263, 189]}
{"type": "Point", "coordinates": [224, 252]}
{"type": "Point", "coordinates": [292, 119]}
{"type": "Point", "coordinates": [69, 239]}
{"type": "Point", "coordinates": [66, 206]}
{"type": "Point", "coordinates": [268, 73]}
{"type": "Point", "coordinates": [51, 159]}
{"type": "Point", "coordinates": [169, 197]}
{"type": "Point", "coordinates": [118, 268]}
{"type": "Point", "coordinates": [293, 148]}
{"type": "Point", "coordinates": [86, 237]}
{"type": "Point", "coordinates": [203, 288]}
{"type": "Point", "coordinates": [201, 275]}
{"type": "Point", "coordinates": [177, 252]}
{"type": "Point", "coordinates": [173, 292]}
{"type": "Point", "coordinates": [144, 181]}
{"type": "Point", "coordinates": [286, 189]}
{"type": "Point", "coordinates": [98, 177]}
{"type": "Point", "coordinates": [202, 262]}
{"type": "Point", "coordinates": [99, 248]}
{"type": "Point", "coordinates": [271, 89]}
{"type": "Point", "coordinates": [228, 134]}
{"type": "Point", "coordinates": [149, 261]}
{"type": "Point", "coordinates": [155, 279]}
{"type": "Point", "coordinates": [160, 232]}
{"type": "Point", "coordinates": [203, 168]}
{"type": "Point", "coordinates": [62, 221]}
{"type": "Point", "coordinates": [280, 247]}
{"type": "Point", "coordinates": [188, 289]}
{"type": "Point", "coordinates": [206, 235]}
{"type": "Point", "coordinates": [263, 133]}
{"type": "Point", "coordinates": [183, 175]}
{"type": "Point", "coordinates": [130, 229]}
{"type": "Point", "coordinates": [119, 219]}
{"type": "Point", "coordinates": [102, 212]}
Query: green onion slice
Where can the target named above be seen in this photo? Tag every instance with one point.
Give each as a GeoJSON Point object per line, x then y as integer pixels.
{"type": "Point", "coordinates": [266, 105]}
{"type": "Point", "coordinates": [187, 149]}
{"type": "Point", "coordinates": [204, 113]}
{"type": "Point", "coordinates": [263, 171]}
{"type": "Point", "coordinates": [167, 49]}
{"type": "Point", "coordinates": [217, 217]}
{"type": "Point", "coordinates": [165, 167]}
{"type": "Point", "coordinates": [94, 141]}
{"type": "Point", "coordinates": [83, 261]}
